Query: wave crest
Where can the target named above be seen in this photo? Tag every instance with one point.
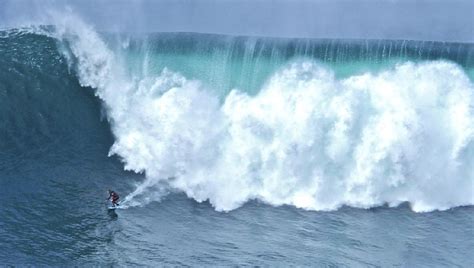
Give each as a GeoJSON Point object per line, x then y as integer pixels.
{"type": "Point", "coordinates": [306, 139]}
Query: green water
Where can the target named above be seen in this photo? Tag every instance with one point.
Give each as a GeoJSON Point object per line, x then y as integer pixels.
{"type": "Point", "coordinates": [223, 63]}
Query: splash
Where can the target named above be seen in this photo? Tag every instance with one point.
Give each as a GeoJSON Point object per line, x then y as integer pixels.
{"type": "Point", "coordinates": [306, 139]}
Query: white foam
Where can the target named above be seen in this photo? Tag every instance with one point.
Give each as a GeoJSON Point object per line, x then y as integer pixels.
{"type": "Point", "coordinates": [306, 139]}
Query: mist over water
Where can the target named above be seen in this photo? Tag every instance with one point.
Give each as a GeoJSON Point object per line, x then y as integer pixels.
{"type": "Point", "coordinates": [361, 19]}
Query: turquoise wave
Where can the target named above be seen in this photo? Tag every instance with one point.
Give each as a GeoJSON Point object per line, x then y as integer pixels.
{"type": "Point", "coordinates": [228, 62]}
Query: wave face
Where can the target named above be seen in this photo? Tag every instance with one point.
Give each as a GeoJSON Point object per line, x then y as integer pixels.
{"type": "Point", "coordinates": [43, 108]}
{"type": "Point", "coordinates": [317, 124]}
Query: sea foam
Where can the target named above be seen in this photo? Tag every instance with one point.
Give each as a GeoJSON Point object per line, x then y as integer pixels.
{"type": "Point", "coordinates": [306, 139]}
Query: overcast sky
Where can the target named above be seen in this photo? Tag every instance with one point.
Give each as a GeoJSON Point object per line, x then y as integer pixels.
{"type": "Point", "coordinates": [450, 20]}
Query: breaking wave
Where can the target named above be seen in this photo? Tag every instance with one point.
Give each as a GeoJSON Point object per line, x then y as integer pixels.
{"type": "Point", "coordinates": [304, 135]}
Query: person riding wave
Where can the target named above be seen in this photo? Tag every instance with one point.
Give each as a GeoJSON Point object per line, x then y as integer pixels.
{"type": "Point", "coordinates": [114, 197]}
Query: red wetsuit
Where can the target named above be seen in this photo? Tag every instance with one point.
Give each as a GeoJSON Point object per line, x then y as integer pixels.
{"type": "Point", "coordinates": [114, 196]}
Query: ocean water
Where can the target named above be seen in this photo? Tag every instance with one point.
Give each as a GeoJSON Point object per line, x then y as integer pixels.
{"type": "Point", "coordinates": [230, 151]}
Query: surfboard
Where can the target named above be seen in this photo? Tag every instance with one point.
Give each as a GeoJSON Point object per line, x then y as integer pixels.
{"type": "Point", "coordinates": [113, 207]}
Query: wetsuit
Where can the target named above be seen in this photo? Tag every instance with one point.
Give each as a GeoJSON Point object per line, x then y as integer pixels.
{"type": "Point", "coordinates": [115, 197]}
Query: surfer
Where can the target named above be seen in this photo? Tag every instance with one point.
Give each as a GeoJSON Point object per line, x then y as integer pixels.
{"type": "Point", "coordinates": [114, 196]}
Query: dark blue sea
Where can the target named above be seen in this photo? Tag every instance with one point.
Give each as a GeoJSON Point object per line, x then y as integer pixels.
{"type": "Point", "coordinates": [234, 151]}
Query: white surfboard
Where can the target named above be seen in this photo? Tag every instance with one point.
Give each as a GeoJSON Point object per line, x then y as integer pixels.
{"type": "Point", "coordinates": [113, 207]}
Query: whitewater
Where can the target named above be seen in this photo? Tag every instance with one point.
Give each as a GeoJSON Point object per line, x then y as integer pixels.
{"type": "Point", "coordinates": [305, 137]}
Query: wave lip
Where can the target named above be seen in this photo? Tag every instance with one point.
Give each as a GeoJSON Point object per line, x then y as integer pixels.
{"type": "Point", "coordinates": [306, 138]}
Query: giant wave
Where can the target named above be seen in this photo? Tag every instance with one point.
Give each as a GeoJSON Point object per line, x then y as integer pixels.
{"type": "Point", "coordinates": [299, 131]}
